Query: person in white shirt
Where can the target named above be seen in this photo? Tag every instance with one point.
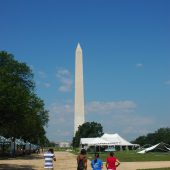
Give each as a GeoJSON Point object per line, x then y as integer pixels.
{"type": "Point", "coordinates": [49, 157]}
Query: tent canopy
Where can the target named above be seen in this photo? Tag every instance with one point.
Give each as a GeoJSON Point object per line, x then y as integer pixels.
{"type": "Point", "coordinates": [116, 139]}
{"type": "Point", "coordinates": [106, 139]}
{"type": "Point", "coordinates": [94, 141]}
{"type": "Point", "coordinates": [163, 147]}
{"type": "Point", "coordinates": [4, 140]}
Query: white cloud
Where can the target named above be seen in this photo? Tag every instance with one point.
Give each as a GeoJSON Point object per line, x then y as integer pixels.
{"type": "Point", "coordinates": [65, 79]}
{"type": "Point", "coordinates": [60, 125]}
{"type": "Point", "coordinates": [63, 108]}
{"type": "Point", "coordinates": [31, 67]}
{"type": "Point", "coordinates": [66, 85]}
{"type": "Point", "coordinates": [115, 116]}
{"type": "Point", "coordinates": [47, 85]}
{"type": "Point", "coordinates": [167, 82]}
{"type": "Point", "coordinates": [42, 74]}
{"type": "Point", "coordinates": [62, 116]}
{"type": "Point", "coordinates": [139, 65]}
{"type": "Point", "coordinates": [63, 73]}
{"type": "Point", "coordinates": [128, 124]}
{"type": "Point", "coordinates": [43, 84]}
{"type": "Point", "coordinates": [107, 107]}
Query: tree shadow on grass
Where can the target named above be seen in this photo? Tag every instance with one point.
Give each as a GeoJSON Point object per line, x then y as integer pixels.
{"type": "Point", "coordinates": [23, 157]}
{"type": "Point", "coordinates": [15, 167]}
{"type": "Point", "coordinates": [29, 157]}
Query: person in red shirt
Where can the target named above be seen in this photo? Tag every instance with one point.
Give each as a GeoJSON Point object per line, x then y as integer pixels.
{"type": "Point", "coordinates": [112, 162]}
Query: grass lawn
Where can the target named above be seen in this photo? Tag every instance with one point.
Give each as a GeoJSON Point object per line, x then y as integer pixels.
{"type": "Point", "coordinates": [132, 156]}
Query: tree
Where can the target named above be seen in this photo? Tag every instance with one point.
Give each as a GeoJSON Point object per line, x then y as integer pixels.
{"type": "Point", "coordinates": [161, 135]}
{"type": "Point", "coordinates": [22, 113]}
{"type": "Point", "coordinates": [140, 140]}
{"type": "Point", "coordinates": [87, 130]}
{"type": "Point", "coordinates": [35, 121]}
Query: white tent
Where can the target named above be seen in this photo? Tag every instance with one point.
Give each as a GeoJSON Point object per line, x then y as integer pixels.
{"type": "Point", "coordinates": [116, 140]}
{"type": "Point", "coordinates": [158, 147]}
{"type": "Point", "coordinates": [106, 139]}
{"type": "Point", "coordinates": [94, 141]}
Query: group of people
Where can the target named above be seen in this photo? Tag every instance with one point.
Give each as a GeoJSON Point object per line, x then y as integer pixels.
{"type": "Point", "coordinates": [96, 164]}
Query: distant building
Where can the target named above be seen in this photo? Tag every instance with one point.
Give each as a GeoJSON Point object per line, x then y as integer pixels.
{"type": "Point", "coordinates": [63, 144]}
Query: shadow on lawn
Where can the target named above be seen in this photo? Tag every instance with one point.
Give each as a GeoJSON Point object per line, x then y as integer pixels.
{"type": "Point", "coordinates": [29, 157]}
{"type": "Point", "coordinates": [15, 167]}
{"type": "Point", "coordinates": [23, 157]}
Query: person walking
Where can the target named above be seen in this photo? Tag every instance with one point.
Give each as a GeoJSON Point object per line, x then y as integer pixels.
{"type": "Point", "coordinates": [49, 157]}
{"type": "Point", "coordinates": [82, 160]}
{"type": "Point", "coordinates": [97, 163]}
{"type": "Point", "coordinates": [112, 162]}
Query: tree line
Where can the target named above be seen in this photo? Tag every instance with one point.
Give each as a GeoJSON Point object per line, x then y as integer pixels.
{"type": "Point", "coordinates": [160, 135]}
{"type": "Point", "coordinates": [94, 129]}
{"type": "Point", "coordinates": [22, 112]}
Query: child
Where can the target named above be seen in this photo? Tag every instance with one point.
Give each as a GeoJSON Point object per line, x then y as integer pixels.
{"type": "Point", "coordinates": [97, 163]}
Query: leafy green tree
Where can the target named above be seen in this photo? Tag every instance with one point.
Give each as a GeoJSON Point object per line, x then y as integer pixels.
{"type": "Point", "coordinates": [161, 135]}
{"type": "Point", "coordinates": [87, 130]}
{"type": "Point", "coordinates": [35, 121]}
{"type": "Point", "coordinates": [140, 140]}
{"type": "Point", "coordinates": [22, 113]}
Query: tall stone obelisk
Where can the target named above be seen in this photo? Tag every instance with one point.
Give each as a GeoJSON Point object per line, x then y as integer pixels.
{"type": "Point", "coordinates": [79, 90]}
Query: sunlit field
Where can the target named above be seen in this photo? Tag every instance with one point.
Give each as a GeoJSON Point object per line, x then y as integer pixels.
{"type": "Point", "coordinates": [132, 156]}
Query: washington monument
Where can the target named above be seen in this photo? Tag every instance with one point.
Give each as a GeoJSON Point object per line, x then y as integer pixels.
{"type": "Point", "coordinates": [79, 90]}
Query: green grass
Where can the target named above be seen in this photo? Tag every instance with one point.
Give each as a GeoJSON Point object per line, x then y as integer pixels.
{"type": "Point", "coordinates": [132, 156]}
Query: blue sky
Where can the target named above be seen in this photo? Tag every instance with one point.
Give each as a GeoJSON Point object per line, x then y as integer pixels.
{"type": "Point", "coordinates": [126, 56]}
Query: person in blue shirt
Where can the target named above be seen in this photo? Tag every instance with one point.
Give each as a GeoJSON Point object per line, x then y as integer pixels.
{"type": "Point", "coordinates": [96, 163]}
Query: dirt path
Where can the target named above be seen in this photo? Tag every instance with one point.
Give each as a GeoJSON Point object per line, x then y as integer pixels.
{"type": "Point", "coordinates": [66, 160]}
{"type": "Point", "coordinates": [143, 165]}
